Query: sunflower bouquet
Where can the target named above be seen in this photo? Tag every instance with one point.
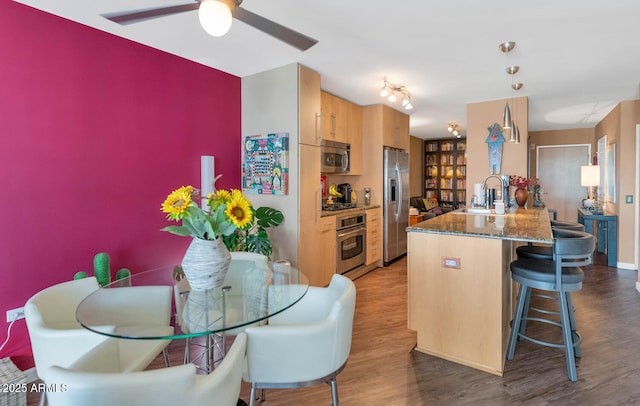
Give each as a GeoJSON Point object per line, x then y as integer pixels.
{"type": "Point", "coordinates": [224, 213]}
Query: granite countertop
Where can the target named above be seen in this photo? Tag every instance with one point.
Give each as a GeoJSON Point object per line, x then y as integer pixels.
{"type": "Point", "coordinates": [518, 224]}
{"type": "Point", "coordinates": [326, 213]}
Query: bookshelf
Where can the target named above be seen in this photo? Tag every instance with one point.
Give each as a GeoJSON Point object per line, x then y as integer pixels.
{"type": "Point", "coordinates": [446, 171]}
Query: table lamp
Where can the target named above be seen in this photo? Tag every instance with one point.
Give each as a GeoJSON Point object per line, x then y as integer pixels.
{"type": "Point", "coordinates": [590, 177]}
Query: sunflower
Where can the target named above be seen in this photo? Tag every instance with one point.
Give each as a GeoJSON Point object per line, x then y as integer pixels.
{"type": "Point", "coordinates": [239, 210]}
{"type": "Point", "coordinates": [220, 196]}
{"type": "Point", "coordinates": [178, 202]}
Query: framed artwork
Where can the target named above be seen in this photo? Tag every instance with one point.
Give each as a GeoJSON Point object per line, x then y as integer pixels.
{"type": "Point", "coordinates": [265, 169]}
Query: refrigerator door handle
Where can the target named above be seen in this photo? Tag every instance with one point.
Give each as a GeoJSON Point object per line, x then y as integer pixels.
{"type": "Point", "coordinates": [399, 197]}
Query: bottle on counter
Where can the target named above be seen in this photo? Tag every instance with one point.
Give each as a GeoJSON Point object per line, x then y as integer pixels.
{"type": "Point", "coordinates": [367, 196]}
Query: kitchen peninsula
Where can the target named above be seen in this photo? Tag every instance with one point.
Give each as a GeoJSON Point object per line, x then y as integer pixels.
{"type": "Point", "coordinates": [459, 284]}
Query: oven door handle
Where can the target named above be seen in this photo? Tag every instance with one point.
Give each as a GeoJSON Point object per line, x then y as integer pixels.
{"type": "Point", "coordinates": [356, 230]}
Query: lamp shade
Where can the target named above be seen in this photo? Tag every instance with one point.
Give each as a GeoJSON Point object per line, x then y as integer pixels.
{"type": "Point", "coordinates": [215, 17]}
{"type": "Point", "coordinates": [590, 175]}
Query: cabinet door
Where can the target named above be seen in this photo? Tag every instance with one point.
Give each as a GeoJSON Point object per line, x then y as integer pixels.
{"type": "Point", "coordinates": [395, 127]}
{"type": "Point", "coordinates": [327, 117]}
{"type": "Point", "coordinates": [309, 106]}
{"type": "Point", "coordinates": [335, 118]}
{"type": "Point", "coordinates": [374, 236]}
{"type": "Point", "coordinates": [317, 247]}
{"type": "Point", "coordinates": [354, 133]}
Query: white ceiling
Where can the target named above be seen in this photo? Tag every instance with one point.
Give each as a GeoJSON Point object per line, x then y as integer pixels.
{"type": "Point", "coordinates": [577, 58]}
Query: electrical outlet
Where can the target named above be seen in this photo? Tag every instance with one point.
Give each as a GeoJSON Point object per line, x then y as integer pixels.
{"type": "Point", "coordinates": [15, 314]}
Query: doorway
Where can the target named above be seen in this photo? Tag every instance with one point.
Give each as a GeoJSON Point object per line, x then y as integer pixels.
{"type": "Point", "coordinates": [558, 170]}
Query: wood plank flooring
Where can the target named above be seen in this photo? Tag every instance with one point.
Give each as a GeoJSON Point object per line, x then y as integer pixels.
{"type": "Point", "coordinates": [383, 368]}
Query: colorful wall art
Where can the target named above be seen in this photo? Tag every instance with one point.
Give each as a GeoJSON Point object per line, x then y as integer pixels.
{"type": "Point", "coordinates": [265, 169]}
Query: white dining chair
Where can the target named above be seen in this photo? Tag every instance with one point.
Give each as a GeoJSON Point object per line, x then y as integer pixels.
{"type": "Point", "coordinates": [307, 344]}
{"type": "Point", "coordinates": [58, 339]}
{"type": "Point", "coordinates": [178, 385]}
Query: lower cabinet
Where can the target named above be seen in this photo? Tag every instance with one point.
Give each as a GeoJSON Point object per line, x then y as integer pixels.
{"type": "Point", "coordinates": [374, 235]}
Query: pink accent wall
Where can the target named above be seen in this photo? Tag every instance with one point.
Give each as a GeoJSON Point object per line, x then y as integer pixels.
{"type": "Point", "coordinates": [95, 132]}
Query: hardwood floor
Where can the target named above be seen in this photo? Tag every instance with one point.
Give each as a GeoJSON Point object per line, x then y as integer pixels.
{"type": "Point", "coordinates": [383, 369]}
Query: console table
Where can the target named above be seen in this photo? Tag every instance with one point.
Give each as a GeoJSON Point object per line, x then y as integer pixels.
{"type": "Point", "coordinates": [607, 224]}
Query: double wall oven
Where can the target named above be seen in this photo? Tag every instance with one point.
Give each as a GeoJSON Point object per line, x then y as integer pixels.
{"type": "Point", "coordinates": [350, 240]}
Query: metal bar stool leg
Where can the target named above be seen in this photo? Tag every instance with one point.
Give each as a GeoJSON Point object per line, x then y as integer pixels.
{"type": "Point", "coordinates": [567, 335]}
{"type": "Point", "coordinates": [515, 326]}
{"type": "Point", "coordinates": [572, 318]}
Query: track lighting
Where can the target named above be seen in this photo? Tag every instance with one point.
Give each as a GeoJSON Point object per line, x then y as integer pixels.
{"type": "Point", "coordinates": [454, 129]}
{"type": "Point", "coordinates": [389, 90]}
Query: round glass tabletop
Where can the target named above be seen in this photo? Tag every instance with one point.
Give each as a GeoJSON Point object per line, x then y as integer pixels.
{"type": "Point", "coordinates": [153, 305]}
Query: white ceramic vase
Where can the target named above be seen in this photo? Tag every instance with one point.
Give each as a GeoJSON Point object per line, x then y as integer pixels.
{"type": "Point", "coordinates": [205, 264]}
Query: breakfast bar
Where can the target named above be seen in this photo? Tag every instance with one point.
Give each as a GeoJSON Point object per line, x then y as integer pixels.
{"type": "Point", "coordinates": [459, 285]}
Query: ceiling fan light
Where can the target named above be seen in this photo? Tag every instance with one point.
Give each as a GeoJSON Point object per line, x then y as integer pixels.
{"type": "Point", "coordinates": [215, 17]}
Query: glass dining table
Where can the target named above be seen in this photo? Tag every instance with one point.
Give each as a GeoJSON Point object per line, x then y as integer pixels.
{"type": "Point", "coordinates": [253, 290]}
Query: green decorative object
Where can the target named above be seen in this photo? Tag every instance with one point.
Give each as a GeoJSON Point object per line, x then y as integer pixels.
{"type": "Point", "coordinates": [123, 273]}
{"type": "Point", "coordinates": [102, 268]}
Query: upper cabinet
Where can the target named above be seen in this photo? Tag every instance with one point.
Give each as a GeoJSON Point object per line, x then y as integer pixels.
{"type": "Point", "coordinates": [342, 122]}
{"type": "Point", "coordinates": [395, 128]}
{"type": "Point", "coordinates": [309, 106]}
{"type": "Point", "coordinates": [335, 118]}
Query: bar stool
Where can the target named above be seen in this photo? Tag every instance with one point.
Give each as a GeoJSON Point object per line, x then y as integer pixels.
{"type": "Point", "coordinates": [571, 250]}
{"type": "Point", "coordinates": [546, 251]}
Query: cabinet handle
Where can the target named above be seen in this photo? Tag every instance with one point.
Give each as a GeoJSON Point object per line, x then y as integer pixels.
{"type": "Point", "coordinates": [318, 126]}
{"type": "Point", "coordinates": [333, 125]}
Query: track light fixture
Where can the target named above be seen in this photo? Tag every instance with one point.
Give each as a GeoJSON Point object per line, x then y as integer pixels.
{"type": "Point", "coordinates": [454, 129]}
{"type": "Point", "coordinates": [389, 90]}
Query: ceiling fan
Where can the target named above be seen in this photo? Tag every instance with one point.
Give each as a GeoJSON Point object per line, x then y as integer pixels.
{"type": "Point", "coordinates": [210, 10]}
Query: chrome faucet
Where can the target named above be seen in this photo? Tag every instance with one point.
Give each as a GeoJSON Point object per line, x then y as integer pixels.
{"type": "Point", "coordinates": [484, 187]}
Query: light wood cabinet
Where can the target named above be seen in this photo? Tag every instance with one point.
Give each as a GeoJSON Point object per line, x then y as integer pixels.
{"type": "Point", "coordinates": [335, 112]}
{"type": "Point", "coordinates": [309, 106]}
{"type": "Point", "coordinates": [355, 138]}
{"type": "Point", "coordinates": [395, 127]}
{"type": "Point", "coordinates": [374, 233]}
{"type": "Point", "coordinates": [317, 234]}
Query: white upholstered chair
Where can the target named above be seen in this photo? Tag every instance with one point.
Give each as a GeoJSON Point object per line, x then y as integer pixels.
{"type": "Point", "coordinates": [58, 339]}
{"type": "Point", "coordinates": [177, 385]}
{"type": "Point", "coordinates": [307, 344]}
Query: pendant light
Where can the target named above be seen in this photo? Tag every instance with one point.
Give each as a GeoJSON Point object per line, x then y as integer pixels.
{"type": "Point", "coordinates": [516, 130]}
{"type": "Point", "coordinates": [506, 47]}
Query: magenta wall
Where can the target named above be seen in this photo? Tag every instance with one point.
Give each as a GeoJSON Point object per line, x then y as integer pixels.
{"type": "Point", "coordinates": [96, 131]}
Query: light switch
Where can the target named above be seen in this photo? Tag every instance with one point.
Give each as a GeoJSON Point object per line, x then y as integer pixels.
{"type": "Point", "coordinates": [628, 199]}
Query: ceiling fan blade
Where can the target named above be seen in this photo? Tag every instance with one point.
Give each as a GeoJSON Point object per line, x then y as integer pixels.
{"type": "Point", "coordinates": [284, 34]}
{"type": "Point", "coordinates": [134, 16]}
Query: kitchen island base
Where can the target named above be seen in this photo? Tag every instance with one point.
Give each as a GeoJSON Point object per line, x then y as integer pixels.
{"type": "Point", "coordinates": [460, 300]}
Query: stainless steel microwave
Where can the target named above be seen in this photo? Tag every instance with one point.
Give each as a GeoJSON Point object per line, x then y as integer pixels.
{"type": "Point", "coordinates": [335, 156]}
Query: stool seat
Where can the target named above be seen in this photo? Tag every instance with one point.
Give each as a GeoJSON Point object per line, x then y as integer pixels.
{"type": "Point", "coordinates": [535, 251]}
{"type": "Point", "coordinates": [542, 275]}
{"type": "Point", "coordinates": [567, 225]}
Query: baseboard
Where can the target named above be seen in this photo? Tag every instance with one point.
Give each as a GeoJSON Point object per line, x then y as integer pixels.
{"type": "Point", "coordinates": [627, 266]}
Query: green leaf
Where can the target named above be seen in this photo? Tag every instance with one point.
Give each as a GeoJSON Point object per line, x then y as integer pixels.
{"type": "Point", "coordinates": [269, 217]}
{"type": "Point", "coordinates": [178, 230]}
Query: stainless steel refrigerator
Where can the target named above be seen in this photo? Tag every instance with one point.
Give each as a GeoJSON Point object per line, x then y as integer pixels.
{"type": "Point", "coordinates": [396, 203]}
